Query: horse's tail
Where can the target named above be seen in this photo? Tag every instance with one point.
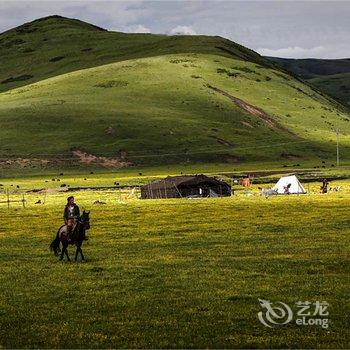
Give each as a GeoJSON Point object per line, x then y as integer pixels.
{"type": "Point", "coordinates": [55, 244]}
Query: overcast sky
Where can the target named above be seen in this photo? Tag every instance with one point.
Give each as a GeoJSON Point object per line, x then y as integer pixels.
{"type": "Point", "coordinates": [296, 29]}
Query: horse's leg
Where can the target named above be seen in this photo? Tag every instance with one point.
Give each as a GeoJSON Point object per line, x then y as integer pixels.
{"type": "Point", "coordinates": [66, 250]}
{"type": "Point", "coordinates": [64, 247]}
{"type": "Point", "coordinates": [76, 253]}
{"type": "Point", "coordinates": [81, 253]}
{"type": "Point", "coordinates": [79, 250]}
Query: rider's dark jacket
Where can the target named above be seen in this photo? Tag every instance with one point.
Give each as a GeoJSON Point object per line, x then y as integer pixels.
{"type": "Point", "coordinates": [74, 215]}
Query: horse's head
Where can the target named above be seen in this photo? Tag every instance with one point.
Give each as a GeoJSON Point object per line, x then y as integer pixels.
{"type": "Point", "coordinates": [85, 219]}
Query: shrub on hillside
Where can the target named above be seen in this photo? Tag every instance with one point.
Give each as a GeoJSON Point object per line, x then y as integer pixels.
{"type": "Point", "coordinates": [57, 58]}
{"type": "Point", "coordinates": [19, 78]}
{"type": "Point", "coordinates": [14, 42]}
{"type": "Point", "coordinates": [181, 60]}
{"type": "Point", "coordinates": [227, 72]}
{"type": "Point", "coordinates": [112, 83]}
{"type": "Point", "coordinates": [28, 50]}
{"type": "Point", "coordinates": [245, 70]}
{"type": "Point", "coordinates": [222, 70]}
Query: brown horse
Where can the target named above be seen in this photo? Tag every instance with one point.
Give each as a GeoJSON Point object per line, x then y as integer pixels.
{"type": "Point", "coordinates": [77, 237]}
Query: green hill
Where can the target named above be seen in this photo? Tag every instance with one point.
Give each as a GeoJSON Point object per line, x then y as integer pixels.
{"type": "Point", "coordinates": [335, 85]}
{"type": "Point", "coordinates": [332, 76]}
{"type": "Point", "coordinates": [55, 45]}
{"type": "Point", "coordinates": [199, 103]}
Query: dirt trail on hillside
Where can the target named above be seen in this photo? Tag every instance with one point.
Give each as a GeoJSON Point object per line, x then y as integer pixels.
{"type": "Point", "coordinates": [253, 110]}
{"type": "Point", "coordinates": [106, 162]}
{"type": "Point", "coordinates": [24, 162]}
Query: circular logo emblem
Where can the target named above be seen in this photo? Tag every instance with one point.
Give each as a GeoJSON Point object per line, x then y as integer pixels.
{"type": "Point", "coordinates": [274, 314]}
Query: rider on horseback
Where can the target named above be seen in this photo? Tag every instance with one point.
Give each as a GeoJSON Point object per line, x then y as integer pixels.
{"type": "Point", "coordinates": [70, 215]}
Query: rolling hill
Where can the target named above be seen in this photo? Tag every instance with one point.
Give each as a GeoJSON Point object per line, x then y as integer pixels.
{"type": "Point", "coordinates": [335, 85]}
{"type": "Point", "coordinates": [56, 45]}
{"type": "Point", "coordinates": [74, 94]}
{"type": "Point", "coordinates": [331, 76]}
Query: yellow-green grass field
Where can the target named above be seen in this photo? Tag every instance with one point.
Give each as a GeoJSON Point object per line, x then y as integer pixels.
{"type": "Point", "coordinates": [175, 273]}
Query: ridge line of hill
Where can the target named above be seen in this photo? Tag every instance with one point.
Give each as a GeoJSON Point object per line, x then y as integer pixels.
{"type": "Point", "coordinates": [54, 45]}
{"type": "Point", "coordinates": [329, 76]}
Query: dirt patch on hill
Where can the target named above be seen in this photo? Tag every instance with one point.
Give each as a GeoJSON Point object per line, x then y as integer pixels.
{"type": "Point", "coordinates": [106, 162]}
{"type": "Point", "coordinates": [24, 162]}
{"type": "Point", "coordinates": [78, 156]}
{"type": "Point", "coordinates": [291, 156]}
{"type": "Point", "coordinates": [253, 110]}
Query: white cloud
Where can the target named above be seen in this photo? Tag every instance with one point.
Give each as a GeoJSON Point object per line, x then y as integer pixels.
{"type": "Point", "coordinates": [329, 51]}
{"type": "Point", "coordinates": [139, 28]}
{"type": "Point", "coordinates": [182, 30]}
{"type": "Point", "coordinates": [293, 52]}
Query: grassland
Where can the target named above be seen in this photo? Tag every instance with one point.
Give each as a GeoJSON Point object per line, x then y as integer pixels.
{"type": "Point", "coordinates": [136, 177]}
{"type": "Point", "coordinates": [175, 273]}
{"type": "Point", "coordinates": [163, 110]}
{"type": "Point", "coordinates": [170, 273]}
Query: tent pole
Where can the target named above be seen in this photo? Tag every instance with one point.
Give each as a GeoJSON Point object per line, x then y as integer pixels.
{"type": "Point", "coordinates": [178, 191]}
{"type": "Point", "coordinates": [165, 190]}
{"type": "Point", "coordinates": [151, 191]}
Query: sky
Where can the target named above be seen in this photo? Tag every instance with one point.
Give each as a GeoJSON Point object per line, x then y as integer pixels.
{"type": "Point", "coordinates": [281, 28]}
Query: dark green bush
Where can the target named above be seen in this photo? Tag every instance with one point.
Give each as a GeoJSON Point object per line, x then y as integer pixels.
{"type": "Point", "coordinates": [112, 83]}
{"type": "Point", "coordinates": [19, 78]}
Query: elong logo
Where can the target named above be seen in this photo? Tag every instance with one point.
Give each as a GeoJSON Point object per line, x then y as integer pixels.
{"type": "Point", "coordinates": [278, 313]}
{"type": "Point", "coordinates": [274, 315]}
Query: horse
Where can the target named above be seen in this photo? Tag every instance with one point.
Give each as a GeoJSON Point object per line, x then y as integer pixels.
{"type": "Point", "coordinates": [76, 237]}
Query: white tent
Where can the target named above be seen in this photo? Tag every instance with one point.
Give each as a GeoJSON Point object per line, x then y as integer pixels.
{"type": "Point", "coordinates": [295, 187]}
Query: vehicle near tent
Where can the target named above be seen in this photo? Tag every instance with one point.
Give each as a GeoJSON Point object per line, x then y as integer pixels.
{"type": "Point", "coordinates": [246, 182]}
{"type": "Point", "coordinates": [289, 185]}
{"type": "Point", "coordinates": [186, 186]}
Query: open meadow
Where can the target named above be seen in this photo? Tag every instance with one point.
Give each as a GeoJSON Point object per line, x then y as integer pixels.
{"type": "Point", "coordinates": [109, 117]}
{"type": "Point", "coordinates": [174, 273]}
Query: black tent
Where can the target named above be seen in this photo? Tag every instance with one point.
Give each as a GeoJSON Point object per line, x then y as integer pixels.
{"type": "Point", "coordinates": [186, 186]}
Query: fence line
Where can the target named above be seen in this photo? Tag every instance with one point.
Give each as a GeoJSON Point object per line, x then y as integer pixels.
{"type": "Point", "coordinates": [26, 197]}
{"type": "Point", "coordinates": [8, 200]}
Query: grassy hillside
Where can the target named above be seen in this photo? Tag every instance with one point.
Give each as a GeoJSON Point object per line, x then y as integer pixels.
{"type": "Point", "coordinates": [330, 76]}
{"type": "Point", "coordinates": [312, 67]}
{"type": "Point", "coordinates": [170, 108]}
{"type": "Point", "coordinates": [55, 45]}
{"type": "Point", "coordinates": [213, 102]}
{"type": "Point", "coordinates": [336, 85]}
